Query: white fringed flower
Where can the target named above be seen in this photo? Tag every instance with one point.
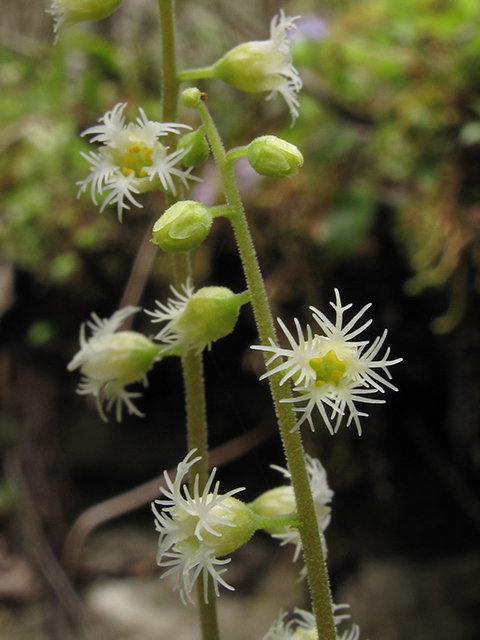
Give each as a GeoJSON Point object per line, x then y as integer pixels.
{"type": "Point", "coordinates": [303, 626]}
{"type": "Point", "coordinates": [196, 319]}
{"type": "Point", "coordinates": [67, 13]}
{"type": "Point", "coordinates": [131, 160]}
{"type": "Point", "coordinates": [265, 65]}
{"type": "Point", "coordinates": [171, 313]}
{"type": "Point", "coordinates": [197, 529]}
{"type": "Point", "coordinates": [334, 372]}
{"type": "Point", "coordinates": [288, 81]}
{"type": "Point", "coordinates": [110, 360]}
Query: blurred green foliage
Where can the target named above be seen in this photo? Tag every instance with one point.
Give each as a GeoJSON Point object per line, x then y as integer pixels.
{"type": "Point", "coordinates": [390, 123]}
{"type": "Point", "coordinates": [398, 124]}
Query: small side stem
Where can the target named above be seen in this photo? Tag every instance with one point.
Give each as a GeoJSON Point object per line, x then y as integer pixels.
{"type": "Point", "coordinates": [287, 520]}
{"type": "Point", "coordinates": [237, 152]}
{"type": "Point", "coordinates": [294, 453]}
{"type": "Point", "coordinates": [196, 74]}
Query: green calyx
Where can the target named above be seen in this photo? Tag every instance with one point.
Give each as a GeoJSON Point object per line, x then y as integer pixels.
{"type": "Point", "coordinates": [237, 527]}
{"type": "Point", "coordinates": [69, 12]}
{"type": "Point", "coordinates": [183, 227]}
{"type": "Point", "coordinates": [248, 67]}
{"type": "Point", "coordinates": [274, 157]}
{"type": "Point", "coordinates": [197, 148]}
{"type": "Point", "coordinates": [210, 314]}
{"type": "Point", "coordinates": [125, 356]}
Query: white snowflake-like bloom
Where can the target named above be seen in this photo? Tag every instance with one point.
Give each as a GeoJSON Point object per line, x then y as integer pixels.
{"type": "Point", "coordinates": [172, 334]}
{"type": "Point", "coordinates": [195, 319]}
{"type": "Point", "coordinates": [335, 372]}
{"type": "Point", "coordinates": [322, 496]}
{"type": "Point", "coordinates": [288, 82]}
{"type": "Point", "coordinates": [265, 65]}
{"type": "Point", "coordinates": [303, 626]}
{"type": "Point", "coordinates": [131, 160]}
{"type": "Point", "coordinates": [109, 360]}
{"type": "Point", "coordinates": [197, 529]}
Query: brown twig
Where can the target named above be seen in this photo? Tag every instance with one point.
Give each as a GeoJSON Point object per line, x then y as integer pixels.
{"type": "Point", "coordinates": [139, 273]}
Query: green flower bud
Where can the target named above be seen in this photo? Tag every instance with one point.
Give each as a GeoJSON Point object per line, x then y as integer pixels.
{"type": "Point", "coordinates": [183, 227]}
{"type": "Point", "coordinates": [274, 157]}
{"type": "Point", "coordinates": [124, 357]}
{"type": "Point", "coordinates": [198, 149]}
{"type": "Point", "coordinates": [109, 361]}
{"type": "Point", "coordinates": [69, 12]}
{"type": "Point", "coordinates": [210, 314]}
{"type": "Point", "coordinates": [191, 97]}
{"type": "Point", "coordinates": [249, 67]}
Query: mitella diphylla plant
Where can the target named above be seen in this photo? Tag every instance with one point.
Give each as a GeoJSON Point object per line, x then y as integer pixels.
{"type": "Point", "coordinates": [131, 160]}
{"type": "Point", "coordinates": [334, 371]}
{"type": "Point", "coordinates": [259, 66]}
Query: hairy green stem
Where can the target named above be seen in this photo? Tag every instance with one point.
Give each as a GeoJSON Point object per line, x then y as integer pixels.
{"type": "Point", "coordinates": [294, 452]}
{"type": "Point", "coordinates": [236, 153]}
{"type": "Point", "coordinates": [169, 61]}
{"type": "Point", "coordinates": [192, 363]}
{"type": "Point", "coordinates": [270, 522]}
{"type": "Point", "coordinates": [196, 74]}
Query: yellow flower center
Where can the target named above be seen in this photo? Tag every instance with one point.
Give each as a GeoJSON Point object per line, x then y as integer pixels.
{"type": "Point", "coordinates": [328, 369]}
{"type": "Point", "coordinates": [137, 157]}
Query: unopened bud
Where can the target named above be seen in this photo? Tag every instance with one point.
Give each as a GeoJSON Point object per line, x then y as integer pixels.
{"type": "Point", "coordinates": [183, 227]}
{"type": "Point", "coordinates": [191, 97]}
{"type": "Point", "coordinates": [124, 357]}
{"type": "Point", "coordinates": [274, 157]}
{"type": "Point", "coordinates": [249, 67]}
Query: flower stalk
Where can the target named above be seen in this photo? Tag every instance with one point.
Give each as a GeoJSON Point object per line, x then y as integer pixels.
{"type": "Point", "coordinates": [294, 452]}
{"type": "Point", "coordinates": [192, 363]}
